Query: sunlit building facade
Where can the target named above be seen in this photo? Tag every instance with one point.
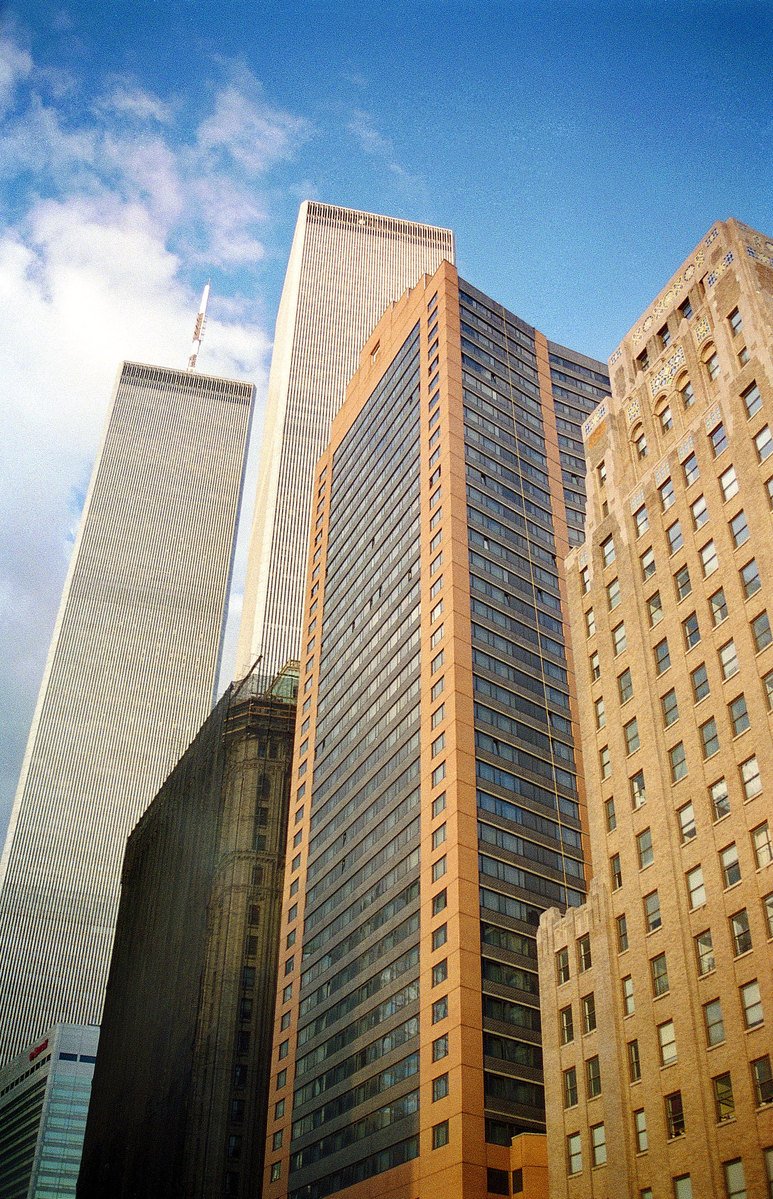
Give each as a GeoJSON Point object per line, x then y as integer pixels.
{"type": "Point", "coordinates": [129, 679]}
{"type": "Point", "coordinates": [658, 994]}
{"type": "Point", "coordinates": [345, 266]}
{"type": "Point", "coordinates": [436, 808]}
{"type": "Point", "coordinates": [44, 1099]}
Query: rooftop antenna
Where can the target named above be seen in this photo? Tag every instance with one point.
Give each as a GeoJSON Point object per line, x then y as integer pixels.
{"type": "Point", "coordinates": [198, 330]}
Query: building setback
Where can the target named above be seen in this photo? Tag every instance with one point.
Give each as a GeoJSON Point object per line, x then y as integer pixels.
{"type": "Point", "coordinates": [658, 995]}
{"type": "Point", "coordinates": [129, 679]}
{"type": "Point", "coordinates": [180, 1093]}
{"type": "Point", "coordinates": [344, 269]}
{"type": "Point", "coordinates": [44, 1098]}
{"type": "Point", "coordinates": [435, 796]}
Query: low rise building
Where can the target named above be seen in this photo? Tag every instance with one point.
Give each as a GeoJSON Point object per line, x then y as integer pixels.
{"type": "Point", "coordinates": [44, 1098]}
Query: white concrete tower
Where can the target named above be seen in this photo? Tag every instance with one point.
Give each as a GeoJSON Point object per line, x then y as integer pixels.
{"type": "Point", "coordinates": [345, 268]}
{"type": "Point", "coordinates": [129, 679]}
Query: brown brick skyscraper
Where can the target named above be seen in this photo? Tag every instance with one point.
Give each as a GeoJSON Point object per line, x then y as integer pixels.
{"type": "Point", "coordinates": [435, 808]}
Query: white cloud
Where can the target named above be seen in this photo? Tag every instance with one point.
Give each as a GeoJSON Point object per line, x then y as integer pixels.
{"type": "Point", "coordinates": [133, 101]}
{"type": "Point", "coordinates": [363, 129]}
{"type": "Point", "coordinates": [361, 125]}
{"type": "Point", "coordinates": [111, 212]}
{"type": "Point", "coordinates": [36, 141]}
{"type": "Point", "coordinates": [148, 169]}
{"type": "Point", "coordinates": [249, 131]}
{"type": "Point", "coordinates": [233, 215]}
{"type": "Point", "coordinates": [15, 66]}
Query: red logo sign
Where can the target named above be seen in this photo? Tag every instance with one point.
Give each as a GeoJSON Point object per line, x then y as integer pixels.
{"type": "Point", "coordinates": [36, 1052]}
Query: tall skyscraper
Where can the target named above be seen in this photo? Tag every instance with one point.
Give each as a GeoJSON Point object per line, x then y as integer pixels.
{"type": "Point", "coordinates": [436, 804]}
{"type": "Point", "coordinates": [345, 267]}
{"type": "Point", "coordinates": [129, 679]}
{"type": "Point", "coordinates": [658, 994]}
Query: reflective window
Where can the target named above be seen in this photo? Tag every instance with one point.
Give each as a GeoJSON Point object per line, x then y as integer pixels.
{"type": "Point", "coordinates": [700, 682]}
{"type": "Point", "coordinates": [715, 1027]}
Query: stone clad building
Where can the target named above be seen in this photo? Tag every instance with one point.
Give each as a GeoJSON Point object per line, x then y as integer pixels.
{"type": "Point", "coordinates": [657, 995]}
{"type": "Point", "coordinates": [180, 1089]}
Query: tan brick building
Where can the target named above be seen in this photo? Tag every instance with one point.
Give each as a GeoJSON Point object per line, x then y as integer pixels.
{"type": "Point", "coordinates": [657, 996]}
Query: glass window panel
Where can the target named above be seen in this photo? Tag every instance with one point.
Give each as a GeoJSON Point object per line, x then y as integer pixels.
{"type": "Point", "coordinates": [700, 682]}
{"type": "Point", "coordinates": [715, 1028]}
{"type": "Point", "coordinates": [696, 889]}
{"type": "Point", "coordinates": [699, 512]}
{"type": "Point", "coordinates": [652, 917]}
{"type": "Point", "coordinates": [751, 1003]}
{"type": "Point", "coordinates": [724, 1103]}
{"type": "Point", "coordinates": [659, 975]}
{"type": "Point", "coordinates": [655, 609]}
{"type": "Point", "coordinates": [761, 631]}
{"type": "Point", "coordinates": [740, 932]}
{"type": "Point", "coordinates": [687, 830]}
{"type": "Point", "coordinates": [728, 481]}
{"type": "Point", "coordinates": [691, 469]}
{"type": "Point", "coordinates": [731, 868]}
{"type": "Point", "coordinates": [704, 952]}
{"type": "Point", "coordinates": [718, 606]}
{"type": "Point", "coordinates": [667, 1042]}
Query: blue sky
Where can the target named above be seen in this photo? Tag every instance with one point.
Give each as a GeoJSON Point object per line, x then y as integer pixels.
{"type": "Point", "coordinates": [578, 150]}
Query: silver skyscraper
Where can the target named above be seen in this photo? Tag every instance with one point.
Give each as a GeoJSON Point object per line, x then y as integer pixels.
{"type": "Point", "coordinates": [129, 679]}
{"type": "Point", "coordinates": [345, 268]}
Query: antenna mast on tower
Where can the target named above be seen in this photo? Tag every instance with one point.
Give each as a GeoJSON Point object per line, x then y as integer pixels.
{"type": "Point", "coordinates": [198, 330]}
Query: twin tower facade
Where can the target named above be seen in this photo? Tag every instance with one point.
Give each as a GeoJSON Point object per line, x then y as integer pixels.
{"type": "Point", "coordinates": [134, 660]}
{"type": "Point", "coordinates": [442, 810]}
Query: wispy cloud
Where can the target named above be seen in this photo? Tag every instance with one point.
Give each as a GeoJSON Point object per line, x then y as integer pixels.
{"type": "Point", "coordinates": [134, 102]}
{"type": "Point", "coordinates": [356, 78]}
{"type": "Point", "coordinates": [15, 66]}
{"type": "Point", "coordinates": [105, 216]}
{"type": "Point", "coordinates": [198, 184]}
{"type": "Point", "coordinates": [374, 143]}
{"type": "Point", "coordinates": [246, 130]}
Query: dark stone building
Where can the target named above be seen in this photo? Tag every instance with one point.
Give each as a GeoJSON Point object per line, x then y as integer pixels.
{"type": "Point", "coordinates": [179, 1098]}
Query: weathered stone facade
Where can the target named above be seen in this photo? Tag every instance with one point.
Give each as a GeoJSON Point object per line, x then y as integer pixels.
{"type": "Point", "coordinates": [179, 1101]}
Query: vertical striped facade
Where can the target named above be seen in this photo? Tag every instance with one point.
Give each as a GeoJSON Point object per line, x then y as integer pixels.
{"type": "Point", "coordinates": [436, 802]}
{"type": "Point", "coordinates": [345, 268]}
{"type": "Point", "coordinates": [129, 679]}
